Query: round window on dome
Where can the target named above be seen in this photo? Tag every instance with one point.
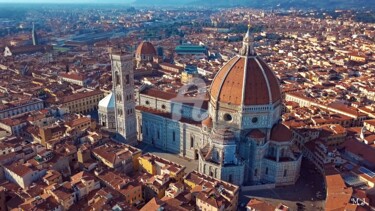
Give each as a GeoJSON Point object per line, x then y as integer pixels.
{"type": "Point", "coordinates": [147, 102]}
{"type": "Point", "coordinates": [228, 117]}
{"type": "Point", "coordinates": [254, 120]}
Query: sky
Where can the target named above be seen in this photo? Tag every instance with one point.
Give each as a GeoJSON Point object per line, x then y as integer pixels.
{"type": "Point", "coordinates": [66, 1]}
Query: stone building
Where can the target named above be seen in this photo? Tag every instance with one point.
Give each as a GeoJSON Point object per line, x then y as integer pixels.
{"type": "Point", "coordinates": [235, 133]}
{"type": "Point", "coordinates": [106, 112]}
{"type": "Point", "coordinates": [123, 90]}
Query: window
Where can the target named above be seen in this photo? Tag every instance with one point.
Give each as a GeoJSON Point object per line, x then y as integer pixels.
{"type": "Point", "coordinates": [267, 171]}
{"type": "Point", "coordinates": [117, 79]}
{"type": "Point", "coordinates": [127, 79]}
{"type": "Point", "coordinates": [147, 102]}
{"type": "Point", "coordinates": [255, 172]}
{"type": "Point", "coordinates": [254, 120]}
{"type": "Point", "coordinates": [228, 117]}
{"type": "Point", "coordinates": [230, 179]}
{"type": "Point", "coordinates": [285, 172]}
{"type": "Point", "coordinates": [174, 136]}
{"type": "Point", "coordinates": [191, 141]}
{"type": "Point", "coordinates": [163, 106]}
{"type": "Point", "coordinates": [282, 153]}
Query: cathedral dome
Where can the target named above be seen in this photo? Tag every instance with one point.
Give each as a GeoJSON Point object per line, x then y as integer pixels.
{"type": "Point", "coordinates": [146, 48]}
{"type": "Point", "coordinates": [245, 80]}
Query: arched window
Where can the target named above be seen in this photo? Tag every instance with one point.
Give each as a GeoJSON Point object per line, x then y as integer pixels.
{"type": "Point", "coordinates": [191, 141]}
{"type": "Point", "coordinates": [255, 172]}
{"type": "Point", "coordinates": [119, 98]}
{"type": "Point", "coordinates": [282, 153]}
{"type": "Point", "coordinates": [174, 136]}
{"type": "Point", "coordinates": [272, 151]}
{"type": "Point", "coordinates": [127, 79]}
{"type": "Point", "coordinates": [117, 79]}
{"type": "Point", "coordinates": [267, 171]}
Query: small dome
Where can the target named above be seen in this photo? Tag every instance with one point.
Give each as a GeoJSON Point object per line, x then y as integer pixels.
{"type": "Point", "coordinates": [146, 48]}
{"type": "Point", "coordinates": [280, 133]}
{"type": "Point", "coordinates": [223, 136]}
{"type": "Point", "coordinates": [108, 102]}
{"type": "Point", "coordinates": [256, 133]}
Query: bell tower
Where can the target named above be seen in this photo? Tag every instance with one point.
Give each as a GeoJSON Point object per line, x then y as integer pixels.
{"type": "Point", "coordinates": [123, 90]}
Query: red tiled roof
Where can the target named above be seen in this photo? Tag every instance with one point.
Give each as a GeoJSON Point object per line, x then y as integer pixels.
{"type": "Point", "coordinates": [207, 122]}
{"type": "Point", "coordinates": [159, 94]}
{"type": "Point", "coordinates": [256, 133]}
{"type": "Point", "coordinates": [74, 76]}
{"type": "Point", "coordinates": [260, 205]}
{"type": "Point", "coordinates": [20, 170]}
{"type": "Point", "coordinates": [78, 96]}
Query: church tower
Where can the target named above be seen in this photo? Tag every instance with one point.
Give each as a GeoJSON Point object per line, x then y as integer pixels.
{"type": "Point", "coordinates": [34, 36]}
{"type": "Point", "coordinates": [123, 90]}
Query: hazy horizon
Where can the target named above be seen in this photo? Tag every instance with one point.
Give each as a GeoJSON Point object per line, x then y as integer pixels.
{"type": "Point", "coordinates": [67, 1]}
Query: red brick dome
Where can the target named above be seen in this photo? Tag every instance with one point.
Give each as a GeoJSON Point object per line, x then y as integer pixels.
{"type": "Point", "coordinates": [245, 81]}
{"type": "Point", "coordinates": [146, 48]}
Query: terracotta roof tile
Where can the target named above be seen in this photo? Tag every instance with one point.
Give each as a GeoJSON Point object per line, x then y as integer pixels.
{"type": "Point", "coordinates": [260, 86]}
{"type": "Point", "coordinates": [281, 133]}
{"type": "Point", "coordinates": [146, 48]}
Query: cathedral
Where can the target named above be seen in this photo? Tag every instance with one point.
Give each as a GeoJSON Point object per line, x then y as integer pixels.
{"type": "Point", "coordinates": [234, 130]}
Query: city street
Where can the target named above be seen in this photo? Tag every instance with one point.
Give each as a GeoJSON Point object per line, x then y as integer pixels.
{"type": "Point", "coordinates": [301, 196]}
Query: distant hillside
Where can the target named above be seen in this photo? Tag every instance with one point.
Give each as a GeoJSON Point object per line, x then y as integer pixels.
{"type": "Point", "coordinates": [163, 2]}
{"type": "Point", "coordinates": [314, 4]}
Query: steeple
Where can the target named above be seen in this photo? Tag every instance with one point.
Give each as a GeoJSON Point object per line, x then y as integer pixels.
{"type": "Point", "coordinates": [34, 35]}
{"type": "Point", "coordinates": [248, 44]}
